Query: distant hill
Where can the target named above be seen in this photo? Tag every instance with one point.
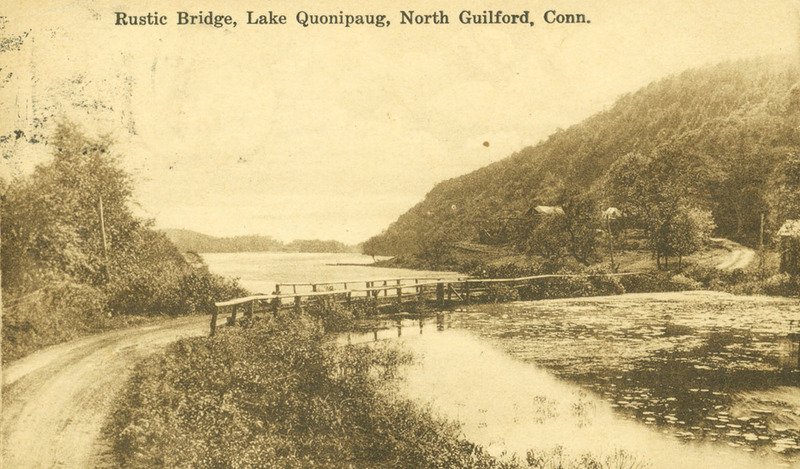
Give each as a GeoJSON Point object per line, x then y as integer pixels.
{"type": "Point", "coordinates": [187, 240]}
{"type": "Point", "coordinates": [741, 117]}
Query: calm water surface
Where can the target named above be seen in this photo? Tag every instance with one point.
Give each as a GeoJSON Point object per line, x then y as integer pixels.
{"type": "Point", "coordinates": [694, 380]}
{"type": "Point", "coordinates": [260, 271]}
{"type": "Point", "coordinates": [697, 377]}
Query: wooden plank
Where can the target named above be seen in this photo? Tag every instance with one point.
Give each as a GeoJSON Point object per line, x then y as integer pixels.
{"type": "Point", "coordinates": [373, 291]}
{"type": "Point", "coordinates": [307, 284]}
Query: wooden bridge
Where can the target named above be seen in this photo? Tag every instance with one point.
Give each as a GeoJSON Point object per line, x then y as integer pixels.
{"type": "Point", "coordinates": [438, 291]}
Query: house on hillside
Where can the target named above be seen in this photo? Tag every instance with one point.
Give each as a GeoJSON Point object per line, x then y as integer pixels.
{"type": "Point", "coordinates": [544, 210]}
{"type": "Point", "coordinates": [503, 229]}
{"type": "Point", "coordinates": [611, 220]}
{"type": "Point", "coordinates": [789, 236]}
{"type": "Point", "coordinates": [610, 214]}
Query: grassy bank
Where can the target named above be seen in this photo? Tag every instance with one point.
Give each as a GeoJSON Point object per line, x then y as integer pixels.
{"type": "Point", "coordinates": [66, 310]}
{"type": "Point", "coordinates": [698, 272]}
{"type": "Point", "coordinates": [276, 394]}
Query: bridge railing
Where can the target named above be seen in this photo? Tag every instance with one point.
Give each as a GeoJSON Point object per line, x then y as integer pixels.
{"type": "Point", "coordinates": [396, 289]}
{"type": "Point", "coordinates": [354, 284]}
{"type": "Point", "coordinates": [384, 291]}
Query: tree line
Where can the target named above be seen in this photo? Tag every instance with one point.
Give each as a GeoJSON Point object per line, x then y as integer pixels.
{"type": "Point", "coordinates": [74, 257]}
{"type": "Point", "coordinates": [711, 150]}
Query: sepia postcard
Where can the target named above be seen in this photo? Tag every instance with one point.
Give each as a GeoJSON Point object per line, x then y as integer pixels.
{"type": "Point", "coordinates": [352, 234]}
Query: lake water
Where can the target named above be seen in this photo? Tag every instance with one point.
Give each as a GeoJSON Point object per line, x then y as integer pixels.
{"type": "Point", "coordinates": [260, 271]}
{"type": "Point", "coordinates": [695, 380]}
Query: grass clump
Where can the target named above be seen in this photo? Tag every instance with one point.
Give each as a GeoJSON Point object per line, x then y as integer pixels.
{"type": "Point", "coordinates": [275, 395]}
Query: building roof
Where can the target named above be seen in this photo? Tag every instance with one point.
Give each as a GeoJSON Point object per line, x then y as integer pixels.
{"type": "Point", "coordinates": [791, 229]}
{"type": "Point", "coordinates": [612, 213]}
{"type": "Point", "coordinates": [547, 210]}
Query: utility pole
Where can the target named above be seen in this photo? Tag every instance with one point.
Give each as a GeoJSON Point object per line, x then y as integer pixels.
{"type": "Point", "coordinates": [761, 246]}
{"type": "Point", "coordinates": [105, 242]}
{"type": "Point", "coordinates": [611, 244]}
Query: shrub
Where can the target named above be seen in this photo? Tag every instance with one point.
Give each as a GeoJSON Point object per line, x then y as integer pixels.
{"type": "Point", "coordinates": [680, 283]}
{"type": "Point", "coordinates": [644, 283]}
{"type": "Point", "coordinates": [607, 285]}
{"type": "Point", "coordinates": [557, 459]}
{"type": "Point", "coordinates": [332, 316]}
{"type": "Point", "coordinates": [506, 270]}
{"type": "Point", "coordinates": [53, 314]}
{"type": "Point", "coordinates": [499, 293]}
{"type": "Point", "coordinates": [75, 278]}
{"type": "Point", "coordinates": [782, 285]}
{"type": "Point", "coordinates": [275, 396]}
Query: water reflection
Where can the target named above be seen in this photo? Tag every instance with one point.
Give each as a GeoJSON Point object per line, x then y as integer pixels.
{"type": "Point", "coordinates": [790, 351]}
{"type": "Point", "coordinates": [510, 406]}
{"type": "Point", "coordinates": [703, 376]}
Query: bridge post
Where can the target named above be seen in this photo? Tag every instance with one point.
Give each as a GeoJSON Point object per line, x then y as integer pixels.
{"type": "Point", "coordinates": [276, 304]}
{"type": "Point", "coordinates": [233, 315]}
{"type": "Point", "coordinates": [248, 313]}
{"type": "Point", "coordinates": [399, 295]}
{"type": "Point", "coordinates": [214, 321]}
{"type": "Point", "coordinates": [349, 298]}
{"type": "Point", "coordinates": [466, 291]}
{"type": "Point", "coordinates": [440, 293]}
{"type": "Point", "coordinates": [297, 306]}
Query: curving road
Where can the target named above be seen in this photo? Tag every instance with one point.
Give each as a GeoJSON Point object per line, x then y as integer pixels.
{"type": "Point", "coordinates": [738, 256]}
{"type": "Point", "coordinates": [56, 400]}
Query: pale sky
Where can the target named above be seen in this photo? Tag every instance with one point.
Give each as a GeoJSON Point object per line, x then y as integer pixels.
{"type": "Point", "coordinates": [331, 132]}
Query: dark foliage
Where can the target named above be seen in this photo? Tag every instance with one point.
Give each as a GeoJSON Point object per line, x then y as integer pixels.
{"type": "Point", "coordinates": [734, 125]}
{"type": "Point", "coordinates": [75, 258]}
{"type": "Point", "coordinates": [275, 396]}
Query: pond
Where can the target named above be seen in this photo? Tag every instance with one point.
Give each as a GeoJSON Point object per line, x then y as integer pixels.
{"type": "Point", "coordinates": [693, 379]}
{"type": "Point", "coordinates": [697, 376]}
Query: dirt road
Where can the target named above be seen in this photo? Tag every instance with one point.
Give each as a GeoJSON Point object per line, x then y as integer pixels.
{"type": "Point", "coordinates": [738, 256]}
{"type": "Point", "coordinates": [55, 400]}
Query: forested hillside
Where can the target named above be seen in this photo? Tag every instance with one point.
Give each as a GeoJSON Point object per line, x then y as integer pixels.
{"type": "Point", "coordinates": [187, 240]}
{"type": "Point", "coordinates": [731, 129]}
{"type": "Point", "coordinates": [75, 258]}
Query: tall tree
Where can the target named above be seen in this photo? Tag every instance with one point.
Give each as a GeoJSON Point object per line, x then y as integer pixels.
{"type": "Point", "coordinates": [656, 190]}
{"type": "Point", "coordinates": [52, 219]}
{"type": "Point", "coordinates": [784, 191]}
